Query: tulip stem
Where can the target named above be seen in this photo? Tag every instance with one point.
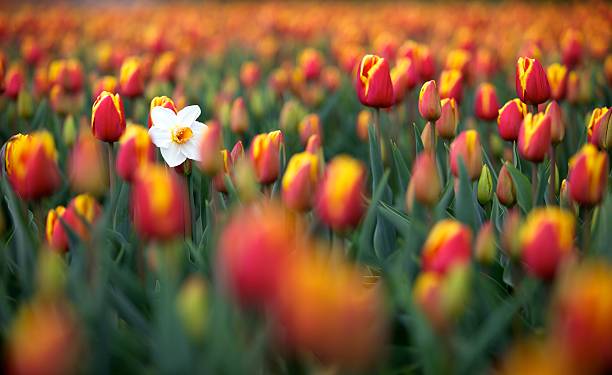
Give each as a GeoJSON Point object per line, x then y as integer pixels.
{"type": "Point", "coordinates": [553, 174]}
{"type": "Point", "coordinates": [377, 126]}
{"type": "Point", "coordinates": [586, 229]}
{"type": "Point", "coordinates": [111, 167]}
{"type": "Point", "coordinates": [534, 184]}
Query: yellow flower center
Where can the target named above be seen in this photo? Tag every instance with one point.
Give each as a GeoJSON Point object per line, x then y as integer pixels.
{"type": "Point", "coordinates": [181, 135]}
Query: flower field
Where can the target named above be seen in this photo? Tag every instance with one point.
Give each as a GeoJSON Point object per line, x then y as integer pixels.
{"type": "Point", "coordinates": [305, 188]}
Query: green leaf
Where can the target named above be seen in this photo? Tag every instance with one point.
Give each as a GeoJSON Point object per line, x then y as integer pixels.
{"type": "Point", "coordinates": [367, 228]}
{"type": "Point", "coordinates": [523, 188]}
{"type": "Point", "coordinates": [466, 207]}
{"type": "Point", "coordinates": [401, 169]}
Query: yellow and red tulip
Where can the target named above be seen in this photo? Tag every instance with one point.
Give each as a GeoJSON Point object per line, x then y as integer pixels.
{"type": "Point", "coordinates": [446, 125]}
{"type": "Point", "coordinates": [339, 201]}
{"type": "Point", "coordinates": [68, 74]}
{"type": "Point", "coordinates": [557, 123]}
{"type": "Point", "coordinates": [534, 137]}
{"type": "Point", "coordinates": [486, 105]}
{"type": "Point", "coordinates": [310, 125]}
{"type": "Point", "coordinates": [448, 244]}
{"type": "Point", "coordinates": [106, 83]}
{"type": "Point", "coordinates": [87, 167]}
{"type": "Point", "coordinates": [108, 117]}
{"type": "Point", "coordinates": [250, 73]}
{"type": "Point", "coordinates": [588, 175]}
{"type": "Point", "coordinates": [599, 128]}
{"type": "Point", "coordinates": [81, 209]}
{"type": "Point", "coordinates": [429, 102]}
{"type": "Point", "coordinates": [532, 85]}
{"type": "Point", "coordinates": [159, 203]}
{"type": "Point", "coordinates": [425, 185]}
{"type": "Point", "coordinates": [210, 145]}
{"type": "Point", "coordinates": [557, 75]}
{"type": "Point", "coordinates": [467, 147]}
{"type": "Point", "coordinates": [311, 62]}
{"type": "Point", "coordinates": [300, 181]}
{"type": "Point", "coordinates": [131, 77]}
{"type": "Point", "coordinates": [373, 82]}
{"type": "Point", "coordinates": [451, 84]}
{"type": "Point", "coordinates": [547, 240]}
{"type": "Point", "coordinates": [510, 119]}
{"type": "Point", "coordinates": [135, 150]}
{"type": "Point", "coordinates": [404, 78]}
{"type": "Point", "coordinates": [31, 164]}
{"type": "Point", "coordinates": [239, 117]}
{"type": "Point", "coordinates": [506, 190]}
{"type": "Point", "coordinates": [264, 154]}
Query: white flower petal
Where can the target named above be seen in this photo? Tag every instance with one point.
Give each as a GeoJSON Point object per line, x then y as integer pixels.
{"type": "Point", "coordinates": [161, 137]}
{"type": "Point", "coordinates": [163, 117]}
{"type": "Point", "coordinates": [191, 148]}
{"type": "Point", "coordinates": [197, 128]}
{"type": "Point", "coordinates": [173, 155]}
{"type": "Point", "coordinates": [188, 115]}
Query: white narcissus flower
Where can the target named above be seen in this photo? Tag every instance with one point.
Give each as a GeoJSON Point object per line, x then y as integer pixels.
{"type": "Point", "coordinates": [177, 135]}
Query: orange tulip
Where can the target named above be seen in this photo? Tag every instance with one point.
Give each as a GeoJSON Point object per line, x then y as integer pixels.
{"type": "Point", "coordinates": [557, 75]}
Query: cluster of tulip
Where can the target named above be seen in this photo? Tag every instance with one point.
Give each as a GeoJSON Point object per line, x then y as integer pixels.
{"type": "Point", "coordinates": [283, 198]}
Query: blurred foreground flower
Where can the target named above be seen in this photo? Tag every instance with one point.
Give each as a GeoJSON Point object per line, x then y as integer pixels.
{"type": "Point", "coordinates": [467, 148]}
{"type": "Point", "coordinates": [135, 150]}
{"type": "Point", "coordinates": [87, 166]}
{"type": "Point", "coordinates": [300, 181]}
{"type": "Point", "coordinates": [448, 244]}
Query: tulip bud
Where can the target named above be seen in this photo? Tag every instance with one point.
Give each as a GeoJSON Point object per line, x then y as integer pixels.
{"type": "Point", "coordinates": [373, 82]}
{"type": "Point", "coordinates": [239, 118]}
{"type": "Point", "coordinates": [531, 81]}
{"type": "Point", "coordinates": [588, 175]}
{"type": "Point", "coordinates": [131, 77]}
{"type": "Point", "coordinates": [571, 48]}
{"type": "Point", "coordinates": [467, 146]}
{"type": "Point", "coordinates": [485, 186]}
{"type": "Point", "coordinates": [429, 102]}
{"type": "Point", "coordinates": [425, 181]}
{"type": "Point", "coordinates": [486, 105]}
{"type": "Point", "coordinates": [249, 74]}
{"type": "Point", "coordinates": [428, 137]}
{"type": "Point", "coordinates": [510, 118]}
{"type": "Point", "coordinates": [451, 84]}
{"type": "Point", "coordinates": [14, 81]}
{"type": "Point", "coordinates": [264, 154]}
{"type": "Point", "coordinates": [509, 240]}
{"type": "Point", "coordinates": [534, 137]}
{"type": "Point", "coordinates": [311, 62]}
{"type": "Point", "coordinates": [25, 107]}
{"type": "Point", "coordinates": [31, 165]}
{"type": "Point", "coordinates": [557, 124]}
{"type": "Point", "coordinates": [226, 163]}
{"type": "Point", "coordinates": [506, 190]}
{"type": "Point", "coordinates": [82, 208]}
{"type": "Point", "coordinates": [57, 345]}
{"type": "Point", "coordinates": [364, 119]}
{"type": "Point", "coordinates": [160, 101]}
{"type": "Point", "coordinates": [557, 78]}
{"type": "Point", "coordinates": [108, 117]}
{"type": "Point", "coordinates": [485, 249]}
{"type": "Point", "coordinates": [245, 180]}
{"type": "Point", "coordinates": [339, 201]}
{"type": "Point", "coordinates": [192, 306]}
{"type": "Point", "coordinates": [135, 150]}
{"type": "Point", "coordinates": [446, 125]}
{"type": "Point", "coordinates": [547, 240]}
{"type": "Point", "coordinates": [159, 203]}
{"type": "Point", "coordinates": [210, 145]}
{"type": "Point", "coordinates": [87, 167]}
{"type": "Point", "coordinates": [581, 321]}
{"type": "Point", "coordinates": [300, 181]}
{"type": "Point", "coordinates": [599, 128]}
{"type": "Point", "coordinates": [237, 151]}
{"type": "Point", "coordinates": [310, 125]}
{"type": "Point", "coordinates": [448, 244]}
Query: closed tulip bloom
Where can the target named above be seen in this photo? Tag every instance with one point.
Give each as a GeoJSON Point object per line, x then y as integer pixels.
{"type": "Point", "coordinates": [373, 82]}
{"type": "Point", "coordinates": [486, 105]}
{"type": "Point", "coordinates": [326, 308]}
{"type": "Point", "coordinates": [458, 59]}
{"type": "Point", "coordinates": [237, 151]}
{"type": "Point", "coordinates": [227, 163]}
{"type": "Point", "coordinates": [571, 48]}
{"type": "Point", "coordinates": [165, 66]}
{"type": "Point", "coordinates": [582, 315]}
{"type": "Point", "coordinates": [446, 125]}
{"type": "Point", "coordinates": [311, 62]}
{"type": "Point", "coordinates": [264, 154]}
{"type": "Point", "coordinates": [510, 119]}
{"type": "Point", "coordinates": [160, 101]}
{"type": "Point", "coordinates": [81, 208]}
{"type": "Point", "coordinates": [339, 201]}
{"type": "Point", "coordinates": [547, 240]}
{"type": "Point", "coordinates": [253, 250]}
{"type": "Point", "coordinates": [403, 77]}
{"type": "Point", "coordinates": [557, 75]}
{"type": "Point", "coordinates": [250, 73]}
{"type": "Point", "coordinates": [239, 117]}
{"type": "Point", "coordinates": [425, 182]}
{"type": "Point", "coordinates": [106, 83]}
{"type": "Point", "coordinates": [599, 128]}
{"type": "Point", "coordinates": [485, 186]}
{"type": "Point", "coordinates": [310, 125]}
{"type": "Point", "coordinates": [506, 190]}
{"type": "Point", "coordinates": [68, 74]}
{"type": "Point", "coordinates": [429, 102]}
{"type": "Point", "coordinates": [588, 175]}
{"type": "Point", "coordinates": [426, 63]}
{"type": "Point", "coordinates": [108, 117]}
{"type": "Point", "coordinates": [534, 137]}
{"type": "Point", "coordinates": [451, 84]}
{"type": "Point", "coordinates": [14, 80]}
{"type": "Point", "coordinates": [210, 145]}
{"type": "Point", "coordinates": [467, 146]}
{"type": "Point", "coordinates": [31, 164]}
{"type": "Point", "coordinates": [135, 151]}
{"type": "Point", "coordinates": [364, 119]}
{"type": "Point", "coordinates": [448, 244]}
{"type": "Point", "coordinates": [531, 81]}
{"type": "Point", "coordinates": [300, 181]}
{"type": "Point", "coordinates": [131, 77]}
{"type": "Point", "coordinates": [87, 167]}
{"type": "Point", "coordinates": [159, 203]}
{"type": "Point", "coordinates": [557, 124]}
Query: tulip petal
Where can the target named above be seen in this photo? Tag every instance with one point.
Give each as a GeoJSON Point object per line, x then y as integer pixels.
{"type": "Point", "coordinates": [173, 155]}
{"type": "Point", "coordinates": [163, 117]}
{"type": "Point", "coordinates": [160, 136]}
{"type": "Point", "coordinates": [191, 149]}
{"type": "Point", "coordinates": [188, 115]}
